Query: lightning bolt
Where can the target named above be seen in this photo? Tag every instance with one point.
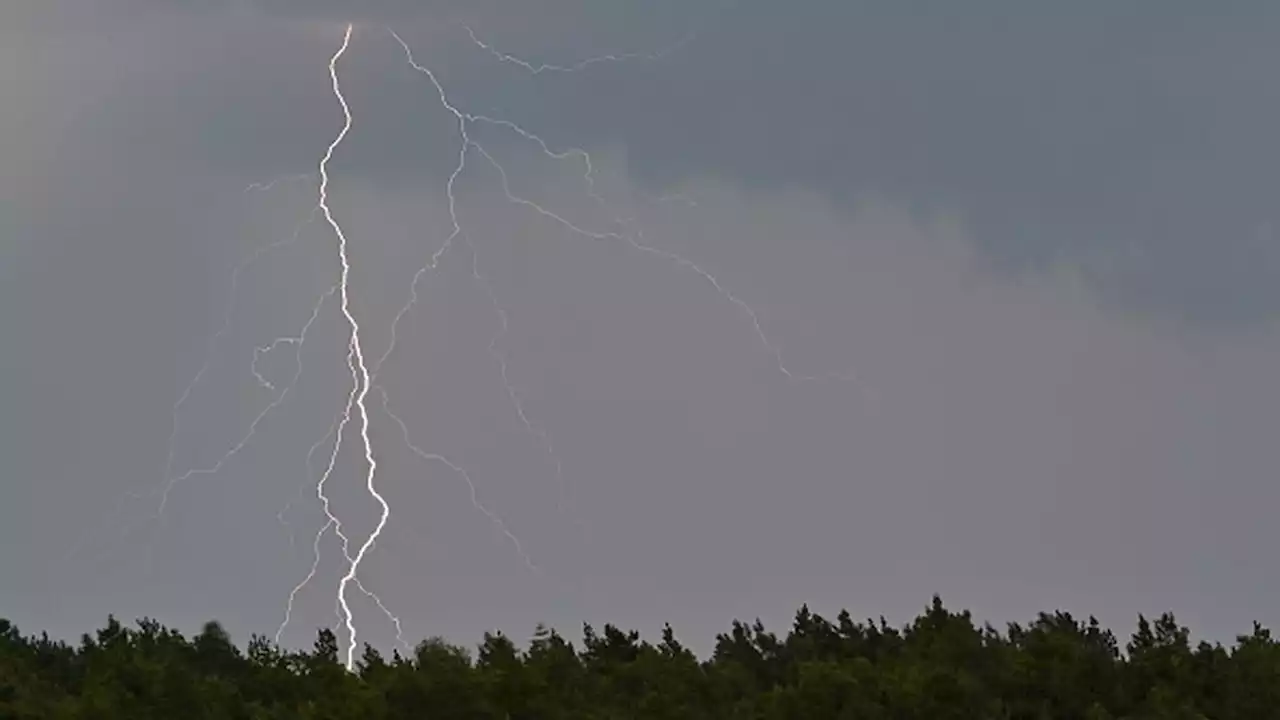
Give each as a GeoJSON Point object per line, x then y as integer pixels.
{"type": "Point", "coordinates": [359, 372]}
{"type": "Point", "coordinates": [366, 377]}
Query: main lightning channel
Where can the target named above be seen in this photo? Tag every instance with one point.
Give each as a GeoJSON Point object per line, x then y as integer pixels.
{"type": "Point", "coordinates": [355, 361]}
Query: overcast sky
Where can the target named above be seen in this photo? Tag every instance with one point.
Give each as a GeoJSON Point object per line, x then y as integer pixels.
{"type": "Point", "coordinates": [1027, 254]}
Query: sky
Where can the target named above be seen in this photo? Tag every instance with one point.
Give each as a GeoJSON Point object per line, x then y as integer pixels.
{"type": "Point", "coordinates": [859, 303]}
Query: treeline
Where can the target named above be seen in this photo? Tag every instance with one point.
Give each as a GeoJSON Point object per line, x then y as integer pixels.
{"type": "Point", "coordinates": [940, 666]}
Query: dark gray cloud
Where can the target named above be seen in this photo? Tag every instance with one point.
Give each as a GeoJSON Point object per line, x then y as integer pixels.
{"type": "Point", "coordinates": [1014, 440]}
{"type": "Point", "coordinates": [1137, 137]}
{"type": "Point", "coordinates": [1132, 141]}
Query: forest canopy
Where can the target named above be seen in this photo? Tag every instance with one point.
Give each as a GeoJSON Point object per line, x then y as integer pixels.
{"type": "Point", "coordinates": [941, 665]}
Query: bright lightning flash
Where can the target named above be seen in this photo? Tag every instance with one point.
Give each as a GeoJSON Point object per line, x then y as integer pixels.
{"type": "Point", "coordinates": [355, 361]}
{"type": "Point", "coordinates": [365, 376]}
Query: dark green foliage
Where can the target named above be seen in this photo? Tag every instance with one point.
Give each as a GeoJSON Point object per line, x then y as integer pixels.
{"type": "Point", "coordinates": [938, 667]}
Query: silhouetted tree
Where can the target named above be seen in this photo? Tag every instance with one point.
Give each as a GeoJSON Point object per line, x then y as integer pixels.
{"type": "Point", "coordinates": [939, 666]}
